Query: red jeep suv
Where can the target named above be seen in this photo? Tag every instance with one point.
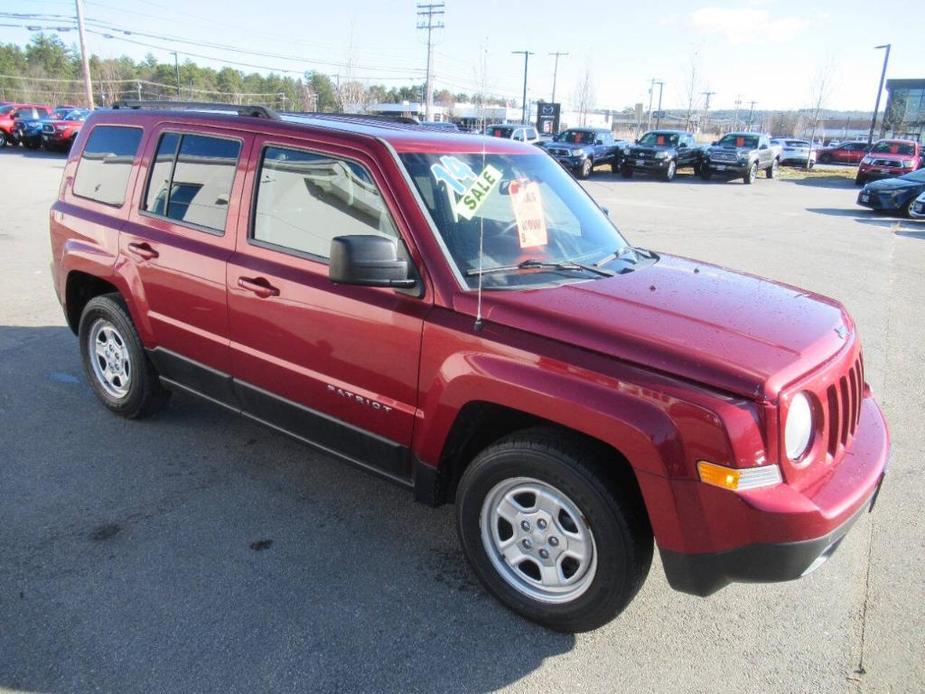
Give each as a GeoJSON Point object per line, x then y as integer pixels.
{"type": "Point", "coordinates": [456, 314]}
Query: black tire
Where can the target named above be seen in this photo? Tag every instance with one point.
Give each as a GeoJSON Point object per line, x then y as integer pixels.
{"type": "Point", "coordinates": [751, 174]}
{"type": "Point", "coordinates": [771, 171]}
{"type": "Point", "coordinates": [575, 468]}
{"type": "Point", "coordinates": [669, 172]}
{"type": "Point", "coordinates": [3, 139]}
{"type": "Point", "coordinates": [824, 158]}
{"type": "Point", "coordinates": [706, 173]}
{"type": "Point", "coordinates": [585, 169]}
{"type": "Point", "coordinates": [860, 180]}
{"type": "Point", "coordinates": [145, 395]}
{"type": "Point", "coordinates": [626, 171]}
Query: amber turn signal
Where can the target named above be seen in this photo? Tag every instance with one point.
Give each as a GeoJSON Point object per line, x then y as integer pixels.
{"type": "Point", "coordinates": [738, 479]}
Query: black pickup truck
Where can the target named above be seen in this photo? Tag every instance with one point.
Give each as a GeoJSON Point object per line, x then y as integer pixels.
{"type": "Point", "coordinates": [741, 155]}
{"type": "Point", "coordinates": [581, 149]}
{"type": "Point", "coordinates": [662, 152]}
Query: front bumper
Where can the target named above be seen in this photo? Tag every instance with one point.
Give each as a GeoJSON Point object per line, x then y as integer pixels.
{"type": "Point", "coordinates": [727, 167]}
{"type": "Point", "coordinates": [792, 531]}
{"type": "Point", "coordinates": [875, 172]}
{"type": "Point", "coordinates": [650, 165]}
{"type": "Point", "coordinates": [882, 201]}
{"type": "Point", "coordinates": [570, 163]}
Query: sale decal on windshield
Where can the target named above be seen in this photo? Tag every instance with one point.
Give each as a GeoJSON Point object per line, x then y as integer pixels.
{"type": "Point", "coordinates": [467, 190]}
{"type": "Point", "coordinates": [528, 211]}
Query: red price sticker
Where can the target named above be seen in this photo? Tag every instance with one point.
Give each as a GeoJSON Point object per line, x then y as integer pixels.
{"type": "Point", "coordinates": [660, 139]}
{"type": "Point", "coordinates": [528, 211]}
{"type": "Point", "coordinates": [740, 142]}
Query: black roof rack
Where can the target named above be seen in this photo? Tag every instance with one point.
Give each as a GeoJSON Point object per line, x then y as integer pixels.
{"type": "Point", "coordinates": [376, 117]}
{"type": "Point", "coordinates": [241, 110]}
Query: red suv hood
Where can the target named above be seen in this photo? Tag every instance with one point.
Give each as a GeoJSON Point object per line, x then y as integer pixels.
{"type": "Point", "coordinates": [736, 332]}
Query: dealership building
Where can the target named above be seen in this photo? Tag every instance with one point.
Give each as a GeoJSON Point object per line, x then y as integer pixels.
{"type": "Point", "coordinates": [904, 116]}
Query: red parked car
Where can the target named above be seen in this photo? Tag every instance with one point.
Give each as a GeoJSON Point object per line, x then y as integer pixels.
{"type": "Point", "coordinates": [457, 315]}
{"type": "Point", "coordinates": [61, 133]}
{"type": "Point", "coordinates": [11, 112]}
{"type": "Point", "coordinates": [888, 159]}
{"type": "Point", "coordinates": [845, 153]}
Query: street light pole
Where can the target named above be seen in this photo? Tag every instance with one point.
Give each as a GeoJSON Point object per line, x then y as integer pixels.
{"type": "Point", "coordinates": [751, 112]}
{"type": "Point", "coordinates": [651, 92]}
{"type": "Point", "coordinates": [523, 113]}
{"type": "Point", "coordinates": [658, 114]}
{"type": "Point", "coordinates": [555, 72]}
{"type": "Point", "coordinates": [873, 120]}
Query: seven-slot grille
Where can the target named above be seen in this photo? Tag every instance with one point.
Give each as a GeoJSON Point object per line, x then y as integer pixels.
{"type": "Point", "coordinates": [885, 162]}
{"type": "Point", "coordinates": [843, 404]}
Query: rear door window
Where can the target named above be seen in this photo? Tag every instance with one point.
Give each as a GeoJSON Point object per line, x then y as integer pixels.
{"type": "Point", "coordinates": [106, 163]}
{"type": "Point", "coordinates": [191, 179]}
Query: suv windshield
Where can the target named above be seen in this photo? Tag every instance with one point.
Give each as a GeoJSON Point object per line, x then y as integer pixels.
{"type": "Point", "coordinates": [659, 139]}
{"type": "Point", "coordinates": [576, 137]}
{"type": "Point", "coordinates": [739, 140]}
{"type": "Point", "coordinates": [893, 148]}
{"type": "Point", "coordinates": [524, 207]}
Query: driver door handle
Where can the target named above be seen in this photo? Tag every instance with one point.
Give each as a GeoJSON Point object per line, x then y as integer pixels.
{"type": "Point", "coordinates": [259, 286]}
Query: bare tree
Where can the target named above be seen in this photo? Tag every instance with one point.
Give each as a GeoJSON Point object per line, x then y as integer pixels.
{"type": "Point", "coordinates": [692, 87]}
{"type": "Point", "coordinates": [351, 93]}
{"type": "Point", "coordinates": [584, 97]}
{"type": "Point", "coordinates": [820, 91]}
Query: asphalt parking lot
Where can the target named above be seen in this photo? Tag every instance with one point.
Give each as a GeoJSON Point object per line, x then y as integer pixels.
{"type": "Point", "coordinates": [199, 552]}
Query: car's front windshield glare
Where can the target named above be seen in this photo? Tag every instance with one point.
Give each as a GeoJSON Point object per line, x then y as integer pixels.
{"type": "Point", "coordinates": [577, 137]}
{"type": "Point", "coordinates": [749, 141]}
{"type": "Point", "coordinates": [523, 207]}
{"type": "Point", "coordinates": [893, 148]}
{"type": "Point", "coordinates": [659, 139]}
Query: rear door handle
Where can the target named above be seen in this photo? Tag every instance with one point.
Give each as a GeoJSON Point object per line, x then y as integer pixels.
{"type": "Point", "coordinates": [259, 286]}
{"type": "Point", "coordinates": [143, 250]}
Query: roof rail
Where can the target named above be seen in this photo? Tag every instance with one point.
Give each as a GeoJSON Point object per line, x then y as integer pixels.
{"type": "Point", "coordinates": [241, 110]}
{"type": "Point", "coordinates": [356, 116]}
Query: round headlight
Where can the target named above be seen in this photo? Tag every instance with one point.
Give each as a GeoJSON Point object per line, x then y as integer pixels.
{"type": "Point", "coordinates": [798, 431]}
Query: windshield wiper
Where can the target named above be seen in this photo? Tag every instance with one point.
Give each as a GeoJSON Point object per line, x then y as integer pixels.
{"type": "Point", "coordinates": [534, 264]}
{"type": "Point", "coordinates": [624, 252]}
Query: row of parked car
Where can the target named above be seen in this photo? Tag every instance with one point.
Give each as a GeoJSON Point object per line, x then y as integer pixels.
{"type": "Point", "coordinates": [40, 126]}
{"type": "Point", "coordinates": [736, 155]}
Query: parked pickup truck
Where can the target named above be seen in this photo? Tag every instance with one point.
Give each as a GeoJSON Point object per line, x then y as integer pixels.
{"type": "Point", "coordinates": [662, 152]}
{"type": "Point", "coordinates": [456, 314]}
{"type": "Point", "coordinates": [581, 149]}
{"type": "Point", "coordinates": [741, 155]}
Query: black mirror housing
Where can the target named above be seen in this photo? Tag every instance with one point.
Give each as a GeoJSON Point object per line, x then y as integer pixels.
{"type": "Point", "coordinates": [368, 260]}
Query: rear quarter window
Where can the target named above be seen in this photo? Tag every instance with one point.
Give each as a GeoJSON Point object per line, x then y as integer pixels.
{"type": "Point", "coordinates": [106, 163]}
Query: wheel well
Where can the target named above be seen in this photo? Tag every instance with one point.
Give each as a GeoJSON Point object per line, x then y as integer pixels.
{"type": "Point", "coordinates": [80, 288]}
{"type": "Point", "coordinates": [480, 424]}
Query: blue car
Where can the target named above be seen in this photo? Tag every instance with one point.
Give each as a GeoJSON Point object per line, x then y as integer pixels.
{"type": "Point", "coordinates": [28, 131]}
{"type": "Point", "coordinates": [893, 194]}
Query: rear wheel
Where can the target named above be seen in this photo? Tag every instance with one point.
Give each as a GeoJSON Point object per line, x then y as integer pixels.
{"type": "Point", "coordinates": [751, 174]}
{"type": "Point", "coordinates": [114, 360]}
{"type": "Point", "coordinates": [547, 535]}
{"type": "Point", "coordinates": [3, 139]}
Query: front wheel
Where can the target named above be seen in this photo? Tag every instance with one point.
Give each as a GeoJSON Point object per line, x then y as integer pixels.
{"type": "Point", "coordinates": [114, 360]}
{"type": "Point", "coordinates": [751, 174]}
{"type": "Point", "coordinates": [860, 180]}
{"type": "Point", "coordinates": [705, 172]}
{"type": "Point", "coordinates": [670, 171]}
{"type": "Point", "coordinates": [3, 139]}
{"type": "Point", "coordinates": [585, 169]}
{"type": "Point", "coordinates": [548, 534]}
{"type": "Point", "coordinates": [626, 172]}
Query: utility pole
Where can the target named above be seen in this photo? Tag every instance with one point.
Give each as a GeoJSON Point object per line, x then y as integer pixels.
{"type": "Point", "coordinates": [735, 119]}
{"type": "Point", "coordinates": [84, 58]}
{"type": "Point", "coordinates": [176, 64]}
{"type": "Point", "coordinates": [555, 72]}
{"type": "Point", "coordinates": [706, 110]}
{"type": "Point", "coordinates": [751, 112]}
{"type": "Point", "coordinates": [430, 17]}
{"type": "Point", "coordinates": [523, 113]}
{"type": "Point", "coordinates": [651, 92]}
{"type": "Point", "coordinates": [658, 113]}
{"type": "Point", "coordinates": [873, 121]}
{"type": "Point", "coordinates": [138, 89]}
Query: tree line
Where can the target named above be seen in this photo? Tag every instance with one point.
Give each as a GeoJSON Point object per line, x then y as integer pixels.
{"type": "Point", "coordinates": [46, 70]}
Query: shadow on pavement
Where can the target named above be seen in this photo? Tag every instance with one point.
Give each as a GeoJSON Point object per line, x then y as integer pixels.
{"type": "Point", "coordinates": [822, 181]}
{"type": "Point", "coordinates": [198, 551]}
{"type": "Point", "coordinates": [26, 153]}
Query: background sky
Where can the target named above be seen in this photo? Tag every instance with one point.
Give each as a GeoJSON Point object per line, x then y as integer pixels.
{"type": "Point", "coordinates": [770, 51]}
